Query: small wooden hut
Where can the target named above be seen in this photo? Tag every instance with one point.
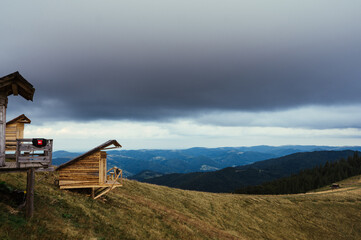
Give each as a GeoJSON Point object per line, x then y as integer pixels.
{"type": "Point", "coordinates": [90, 171]}
{"type": "Point", "coordinates": [15, 130]}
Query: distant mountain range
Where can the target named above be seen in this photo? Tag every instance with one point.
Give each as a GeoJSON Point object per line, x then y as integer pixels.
{"type": "Point", "coordinates": [191, 160]}
{"type": "Point", "coordinates": [231, 178]}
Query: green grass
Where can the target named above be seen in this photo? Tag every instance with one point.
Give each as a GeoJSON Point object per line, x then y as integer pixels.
{"type": "Point", "coordinates": [145, 211]}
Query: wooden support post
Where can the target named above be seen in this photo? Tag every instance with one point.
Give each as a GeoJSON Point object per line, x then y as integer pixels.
{"type": "Point", "coordinates": [93, 192]}
{"type": "Point", "coordinates": [30, 193]}
{"type": "Point", "coordinates": [3, 103]}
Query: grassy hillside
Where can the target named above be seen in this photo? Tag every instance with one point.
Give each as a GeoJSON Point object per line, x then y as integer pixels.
{"type": "Point", "coordinates": [145, 211]}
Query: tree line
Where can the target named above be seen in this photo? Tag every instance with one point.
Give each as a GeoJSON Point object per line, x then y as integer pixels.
{"type": "Point", "coordinates": [309, 179]}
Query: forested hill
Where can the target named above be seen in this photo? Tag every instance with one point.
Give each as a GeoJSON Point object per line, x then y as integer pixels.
{"type": "Point", "coordinates": [309, 179]}
{"type": "Point", "coordinates": [232, 178]}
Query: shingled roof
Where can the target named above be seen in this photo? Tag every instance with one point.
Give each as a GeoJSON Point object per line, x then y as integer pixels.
{"type": "Point", "coordinates": [94, 150]}
{"type": "Point", "coordinates": [16, 84]}
{"type": "Point", "coordinates": [22, 118]}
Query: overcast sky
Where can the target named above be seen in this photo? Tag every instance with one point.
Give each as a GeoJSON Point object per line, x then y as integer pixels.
{"type": "Point", "coordinates": [177, 74]}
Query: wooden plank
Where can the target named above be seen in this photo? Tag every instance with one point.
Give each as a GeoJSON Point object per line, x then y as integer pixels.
{"type": "Point", "coordinates": [92, 175]}
{"type": "Point", "coordinates": [79, 174]}
{"type": "Point", "coordinates": [20, 132]}
{"type": "Point", "coordinates": [78, 183]}
{"type": "Point", "coordinates": [12, 165]}
{"type": "Point", "coordinates": [101, 171]}
{"type": "Point", "coordinates": [32, 159]}
{"type": "Point", "coordinates": [78, 170]}
{"type": "Point", "coordinates": [71, 183]}
{"type": "Point", "coordinates": [92, 172]}
{"type": "Point", "coordinates": [104, 162]}
{"type": "Point", "coordinates": [84, 162]}
{"type": "Point", "coordinates": [89, 186]}
{"type": "Point", "coordinates": [15, 89]}
{"type": "Point", "coordinates": [105, 191]}
{"type": "Point", "coordinates": [88, 166]}
{"type": "Point", "coordinates": [3, 100]}
{"type": "Point", "coordinates": [11, 131]}
{"type": "Point", "coordinates": [79, 177]}
{"type": "Point", "coordinates": [87, 160]}
{"type": "Point", "coordinates": [30, 147]}
{"type": "Point", "coordinates": [30, 193]}
{"type": "Point", "coordinates": [48, 169]}
{"type": "Point", "coordinates": [83, 174]}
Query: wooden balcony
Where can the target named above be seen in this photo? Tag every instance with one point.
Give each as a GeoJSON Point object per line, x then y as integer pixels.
{"type": "Point", "coordinates": [27, 155]}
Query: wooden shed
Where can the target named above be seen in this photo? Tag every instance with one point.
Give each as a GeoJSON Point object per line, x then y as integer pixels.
{"type": "Point", "coordinates": [15, 130]}
{"type": "Point", "coordinates": [90, 171]}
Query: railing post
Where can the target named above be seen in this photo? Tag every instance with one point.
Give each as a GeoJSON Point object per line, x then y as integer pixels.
{"type": "Point", "coordinates": [17, 153]}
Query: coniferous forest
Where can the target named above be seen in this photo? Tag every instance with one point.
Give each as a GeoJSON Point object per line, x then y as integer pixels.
{"type": "Point", "coordinates": [309, 179]}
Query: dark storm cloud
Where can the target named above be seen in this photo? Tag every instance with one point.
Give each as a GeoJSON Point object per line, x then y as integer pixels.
{"type": "Point", "coordinates": [115, 65]}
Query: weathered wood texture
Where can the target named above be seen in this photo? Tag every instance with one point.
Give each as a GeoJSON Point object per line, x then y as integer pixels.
{"type": "Point", "coordinates": [89, 171]}
{"type": "Point", "coordinates": [26, 152]}
{"type": "Point", "coordinates": [29, 156]}
{"type": "Point", "coordinates": [30, 193]}
{"type": "Point", "coordinates": [13, 167]}
{"type": "Point", "coordinates": [3, 103]}
{"type": "Point", "coordinates": [14, 131]}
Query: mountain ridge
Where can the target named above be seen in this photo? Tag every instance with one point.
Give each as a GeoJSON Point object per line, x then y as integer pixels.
{"type": "Point", "coordinates": [192, 159]}
{"type": "Point", "coordinates": [231, 178]}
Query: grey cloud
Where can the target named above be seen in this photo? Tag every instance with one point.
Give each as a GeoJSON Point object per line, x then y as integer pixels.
{"type": "Point", "coordinates": [167, 62]}
{"type": "Point", "coordinates": [307, 117]}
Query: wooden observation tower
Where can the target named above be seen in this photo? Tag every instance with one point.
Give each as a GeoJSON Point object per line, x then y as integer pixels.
{"type": "Point", "coordinates": [30, 154]}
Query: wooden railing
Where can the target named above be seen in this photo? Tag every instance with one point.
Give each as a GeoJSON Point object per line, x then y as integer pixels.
{"type": "Point", "coordinates": [26, 152]}
{"type": "Point", "coordinates": [114, 174]}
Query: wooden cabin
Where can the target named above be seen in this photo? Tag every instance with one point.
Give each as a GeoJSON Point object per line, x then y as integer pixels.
{"type": "Point", "coordinates": [15, 130]}
{"type": "Point", "coordinates": [90, 171]}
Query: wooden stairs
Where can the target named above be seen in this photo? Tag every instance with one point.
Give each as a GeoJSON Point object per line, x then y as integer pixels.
{"type": "Point", "coordinates": [115, 174]}
{"type": "Point", "coordinates": [101, 191]}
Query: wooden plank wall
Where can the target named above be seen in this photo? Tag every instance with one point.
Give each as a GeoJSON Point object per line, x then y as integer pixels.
{"type": "Point", "coordinates": [13, 131]}
{"type": "Point", "coordinates": [83, 172]}
{"type": "Point", "coordinates": [20, 130]}
{"type": "Point", "coordinates": [102, 167]}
